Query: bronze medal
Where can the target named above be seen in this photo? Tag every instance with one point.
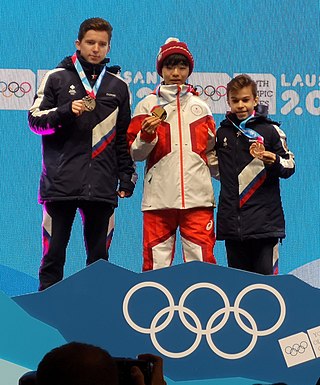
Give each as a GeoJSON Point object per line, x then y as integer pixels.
{"type": "Point", "coordinates": [160, 112]}
{"type": "Point", "coordinates": [257, 149]}
{"type": "Point", "coordinates": [89, 103]}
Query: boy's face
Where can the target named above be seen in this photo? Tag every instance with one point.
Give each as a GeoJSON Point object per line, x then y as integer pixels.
{"type": "Point", "coordinates": [94, 46]}
{"type": "Point", "coordinates": [175, 74]}
{"type": "Point", "coordinates": [242, 102]}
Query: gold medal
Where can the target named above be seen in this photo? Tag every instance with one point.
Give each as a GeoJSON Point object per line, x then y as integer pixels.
{"type": "Point", "coordinates": [256, 149]}
{"type": "Point", "coordinates": [160, 113]}
{"type": "Point", "coordinates": [89, 103]}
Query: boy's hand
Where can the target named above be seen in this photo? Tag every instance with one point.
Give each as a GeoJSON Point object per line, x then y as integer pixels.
{"type": "Point", "coordinates": [268, 157]}
{"type": "Point", "coordinates": [123, 194]}
{"type": "Point", "coordinates": [77, 107]}
{"type": "Point", "coordinates": [150, 124]}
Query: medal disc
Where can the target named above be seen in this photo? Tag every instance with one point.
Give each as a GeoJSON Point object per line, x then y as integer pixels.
{"type": "Point", "coordinates": [160, 113]}
{"type": "Point", "coordinates": [89, 103]}
{"type": "Point", "coordinates": [256, 149]}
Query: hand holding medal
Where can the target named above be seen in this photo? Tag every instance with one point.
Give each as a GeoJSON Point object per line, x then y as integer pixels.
{"type": "Point", "coordinates": [257, 149]}
{"type": "Point", "coordinates": [87, 103]}
{"type": "Point", "coordinates": [77, 107]}
{"type": "Point", "coordinates": [150, 123]}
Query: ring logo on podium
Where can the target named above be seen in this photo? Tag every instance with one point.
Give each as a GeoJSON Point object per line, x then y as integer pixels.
{"type": "Point", "coordinates": [300, 347]}
{"type": "Point", "coordinates": [223, 314]}
{"type": "Point", "coordinates": [297, 348]}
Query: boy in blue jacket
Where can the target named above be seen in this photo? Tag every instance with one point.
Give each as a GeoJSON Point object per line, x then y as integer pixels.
{"type": "Point", "coordinates": [253, 155]}
{"type": "Point", "coordinates": [82, 112]}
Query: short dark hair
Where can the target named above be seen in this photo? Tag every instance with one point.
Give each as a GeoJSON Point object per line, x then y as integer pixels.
{"type": "Point", "coordinates": [241, 81]}
{"type": "Point", "coordinates": [97, 24]}
{"type": "Point", "coordinates": [77, 363]}
{"type": "Point", "coordinates": [175, 59]}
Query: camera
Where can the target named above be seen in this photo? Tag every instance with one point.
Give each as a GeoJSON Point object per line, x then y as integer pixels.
{"type": "Point", "coordinates": [124, 367]}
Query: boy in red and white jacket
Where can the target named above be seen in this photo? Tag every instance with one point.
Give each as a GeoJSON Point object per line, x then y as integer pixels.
{"type": "Point", "coordinates": [173, 131]}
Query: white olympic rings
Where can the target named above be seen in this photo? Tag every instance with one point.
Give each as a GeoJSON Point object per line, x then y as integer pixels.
{"type": "Point", "coordinates": [197, 327]}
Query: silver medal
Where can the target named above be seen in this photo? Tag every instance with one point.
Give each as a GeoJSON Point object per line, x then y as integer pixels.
{"type": "Point", "coordinates": [89, 103]}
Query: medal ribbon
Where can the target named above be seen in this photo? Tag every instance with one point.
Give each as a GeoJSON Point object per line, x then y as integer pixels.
{"type": "Point", "coordinates": [249, 132]}
{"type": "Point", "coordinates": [92, 92]}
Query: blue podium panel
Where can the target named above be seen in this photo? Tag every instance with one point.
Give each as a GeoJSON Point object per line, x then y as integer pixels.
{"type": "Point", "coordinates": [206, 321]}
{"type": "Point", "coordinates": [24, 339]}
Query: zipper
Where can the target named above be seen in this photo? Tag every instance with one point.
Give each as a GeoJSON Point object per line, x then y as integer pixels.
{"type": "Point", "coordinates": [237, 171]}
{"type": "Point", "coordinates": [180, 149]}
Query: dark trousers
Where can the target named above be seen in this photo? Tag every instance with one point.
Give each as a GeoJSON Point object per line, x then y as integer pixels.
{"type": "Point", "coordinates": [255, 255]}
{"type": "Point", "coordinates": [57, 223]}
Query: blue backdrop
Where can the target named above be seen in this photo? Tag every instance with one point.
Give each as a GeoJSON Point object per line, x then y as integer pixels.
{"type": "Point", "coordinates": [275, 41]}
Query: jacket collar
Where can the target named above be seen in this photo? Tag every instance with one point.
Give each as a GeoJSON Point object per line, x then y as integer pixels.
{"type": "Point", "coordinates": [169, 92]}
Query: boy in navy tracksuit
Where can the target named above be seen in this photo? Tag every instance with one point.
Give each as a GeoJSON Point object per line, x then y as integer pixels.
{"type": "Point", "coordinates": [253, 155]}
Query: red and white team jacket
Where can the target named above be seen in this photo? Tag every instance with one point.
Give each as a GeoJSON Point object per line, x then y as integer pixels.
{"type": "Point", "coordinates": [180, 156]}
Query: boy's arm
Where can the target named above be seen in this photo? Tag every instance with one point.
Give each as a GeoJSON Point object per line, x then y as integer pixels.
{"type": "Point", "coordinates": [44, 116]}
{"type": "Point", "coordinates": [280, 159]}
{"type": "Point", "coordinates": [211, 152]}
{"type": "Point", "coordinates": [142, 137]}
{"type": "Point", "coordinates": [126, 168]}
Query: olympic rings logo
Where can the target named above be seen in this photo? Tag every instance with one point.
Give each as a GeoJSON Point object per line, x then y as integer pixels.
{"type": "Point", "coordinates": [211, 92]}
{"type": "Point", "coordinates": [296, 348]}
{"type": "Point", "coordinates": [210, 329]}
{"type": "Point", "coordinates": [14, 88]}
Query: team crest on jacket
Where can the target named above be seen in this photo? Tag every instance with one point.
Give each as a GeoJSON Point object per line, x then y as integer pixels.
{"type": "Point", "coordinates": [225, 142]}
{"type": "Point", "coordinates": [72, 90]}
{"type": "Point", "coordinates": [196, 110]}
